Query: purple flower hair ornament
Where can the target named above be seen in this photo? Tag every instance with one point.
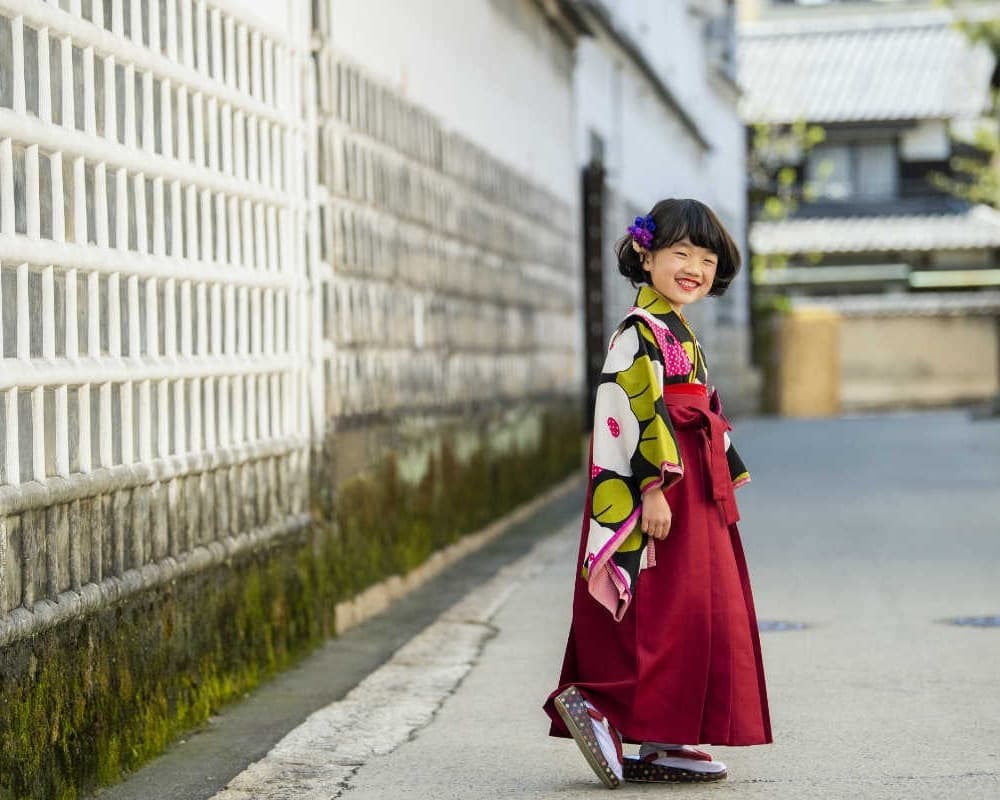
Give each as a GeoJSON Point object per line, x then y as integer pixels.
{"type": "Point", "coordinates": [642, 231]}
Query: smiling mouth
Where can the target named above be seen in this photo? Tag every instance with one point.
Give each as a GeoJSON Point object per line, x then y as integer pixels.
{"type": "Point", "coordinates": [688, 284]}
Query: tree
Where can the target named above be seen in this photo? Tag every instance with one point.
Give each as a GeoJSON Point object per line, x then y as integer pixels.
{"type": "Point", "coordinates": [775, 192]}
{"type": "Point", "coordinates": [976, 164]}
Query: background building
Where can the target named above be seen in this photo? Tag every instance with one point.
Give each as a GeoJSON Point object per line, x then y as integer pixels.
{"type": "Point", "coordinates": [890, 83]}
{"type": "Point", "coordinates": [904, 273]}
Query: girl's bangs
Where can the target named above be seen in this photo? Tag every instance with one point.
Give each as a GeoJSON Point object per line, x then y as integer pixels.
{"type": "Point", "coordinates": [696, 223]}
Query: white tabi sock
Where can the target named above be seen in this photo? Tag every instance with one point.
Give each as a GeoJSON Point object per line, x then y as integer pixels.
{"type": "Point", "coordinates": [683, 756]}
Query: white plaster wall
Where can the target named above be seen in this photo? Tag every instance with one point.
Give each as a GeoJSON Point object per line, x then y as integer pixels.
{"type": "Point", "coordinates": [492, 71]}
{"type": "Point", "coordinates": [650, 153]}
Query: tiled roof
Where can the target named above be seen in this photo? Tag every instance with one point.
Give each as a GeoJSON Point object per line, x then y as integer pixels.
{"type": "Point", "coordinates": [888, 66]}
{"type": "Point", "coordinates": [977, 227]}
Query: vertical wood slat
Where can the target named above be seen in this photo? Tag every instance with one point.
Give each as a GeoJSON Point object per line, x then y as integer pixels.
{"type": "Point", "coordinates": [171, 29]}
{"type": "Point", "coordinates": [256, 56]}
{"type": "Point", "coordinates": [243, 58]}
{"type": "Point", "coordinates": [239, 144]}
{"type": "Point", "coordinates": [201, 32]}
{"type": "Point", "coordinates": [135, 8]}
{"type": "Point", "coordinates": [187, 35]}
{"type": "Point", "coordinates": [18, 82]}
{"type": "Point", "coordinates": [154, 24]}
{"type": "Point", "coordinates": [129, 110]}
{"type": "Point", "coordinates": [117, 17]}
{"type": "Point", "coordinates": [148, 116]}
{"type": "Point", "coordinates": [7, 188]}
{"type": "Point", "coordinates": [44, 79]}
{"type": "Point", "coordinates": [12, 466]}
{"type": "Point", "coordinates": [68, 84]}
{"type": "Point", "coordinates": [183, 138]}
{"type": "Point", "coordinates": [38, 433]}
{"type": "Point", "coordinates": [224, 71]}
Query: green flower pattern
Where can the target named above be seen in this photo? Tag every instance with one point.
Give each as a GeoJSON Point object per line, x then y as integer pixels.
{"type": "Point", "coordinates": [634, 446]}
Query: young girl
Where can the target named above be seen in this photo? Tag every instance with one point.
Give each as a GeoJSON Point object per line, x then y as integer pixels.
{"type": "Point", "coordinates": [663, 648]}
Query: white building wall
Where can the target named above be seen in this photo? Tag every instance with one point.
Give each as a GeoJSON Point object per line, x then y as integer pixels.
{"type": "Point", "coordinates": [651, 154]}
{"type": "Point", "coordinates": [493, 71]}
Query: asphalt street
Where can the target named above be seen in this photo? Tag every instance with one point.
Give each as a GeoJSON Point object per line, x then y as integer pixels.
{"type": "Point", "coordinates": [869, 532]}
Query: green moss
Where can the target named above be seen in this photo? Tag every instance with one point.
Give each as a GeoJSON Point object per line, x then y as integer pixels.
{"type": "Point", "coordinates": [95, 698]}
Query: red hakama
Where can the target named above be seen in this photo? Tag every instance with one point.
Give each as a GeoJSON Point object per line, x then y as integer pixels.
{"type": "Point", "coordinates": [683, 666]}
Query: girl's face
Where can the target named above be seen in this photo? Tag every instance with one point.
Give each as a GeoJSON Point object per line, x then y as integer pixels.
{"type": "Point", "coordinates": [682, 272]}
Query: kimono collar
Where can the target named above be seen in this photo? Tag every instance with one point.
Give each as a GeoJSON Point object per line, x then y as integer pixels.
{"type": "Point", "coordinates": [653, 306]}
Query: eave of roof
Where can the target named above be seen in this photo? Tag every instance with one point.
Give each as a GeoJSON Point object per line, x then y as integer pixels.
{"type": "Point", "coordinates": [978, 227]}
{"type": "Point", "coordinates": [864, 67]}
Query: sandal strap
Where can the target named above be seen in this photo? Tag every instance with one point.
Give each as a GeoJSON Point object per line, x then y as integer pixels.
{"type": "Point", "coordinates": [691, 753]}
{"type": "Point", "coordinates": [597, 716]}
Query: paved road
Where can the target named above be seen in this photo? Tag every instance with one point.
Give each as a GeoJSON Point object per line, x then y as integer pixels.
{"type": "Point", "coordinates": [871, 530]}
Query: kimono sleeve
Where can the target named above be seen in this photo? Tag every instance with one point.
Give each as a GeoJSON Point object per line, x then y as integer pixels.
{"type": "Point", "coordinates": [738, 471]}
{"type": "Point", "coordinates": [634, 451]}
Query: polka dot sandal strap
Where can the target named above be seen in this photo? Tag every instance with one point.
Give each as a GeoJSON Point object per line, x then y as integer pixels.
{"type": "Point", "coordinates": [572, 708]}
{"type": "Point", "coordinates": [639, 771]}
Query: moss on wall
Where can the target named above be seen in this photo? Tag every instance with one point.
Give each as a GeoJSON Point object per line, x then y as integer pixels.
{"type": "Point", "coordinates": [94, 698]}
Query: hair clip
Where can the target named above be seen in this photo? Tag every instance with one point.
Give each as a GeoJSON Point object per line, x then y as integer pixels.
{"type": "Point", "coordinates": [642, 233]}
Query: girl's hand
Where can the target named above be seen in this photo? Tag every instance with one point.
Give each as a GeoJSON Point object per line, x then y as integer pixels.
{"type": "Point", "coordinates": [656, 514]}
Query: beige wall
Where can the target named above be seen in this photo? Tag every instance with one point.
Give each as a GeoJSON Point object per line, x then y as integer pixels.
{"type": "Point", "coordinates": [913, 361]}
{"type": "Point", "coordinates": [808, 363]}
{"type": "Point", "coordinates": [828, 362]}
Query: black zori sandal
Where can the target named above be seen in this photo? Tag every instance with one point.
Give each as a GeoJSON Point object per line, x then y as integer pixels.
{"type": "Point", "coordinates": [597, 739]}
{"type": "Point", "coordinates": [686, 765]}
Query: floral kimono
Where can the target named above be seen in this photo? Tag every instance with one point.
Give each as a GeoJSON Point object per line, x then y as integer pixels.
{"type": "Point", "coordinates": [635, 446]}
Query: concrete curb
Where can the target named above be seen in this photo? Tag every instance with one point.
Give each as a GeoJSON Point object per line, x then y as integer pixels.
{"type": "Point", "coordinates": [317, 760]}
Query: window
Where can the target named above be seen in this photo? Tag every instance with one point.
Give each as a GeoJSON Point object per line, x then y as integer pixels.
{"type": "Point", "coordinates": [858, 171]}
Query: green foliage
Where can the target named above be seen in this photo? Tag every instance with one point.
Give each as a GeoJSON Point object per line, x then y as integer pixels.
{"type": "Point", "coordinates": [975, 169]}
{"type": "Point", "coordinates": [774, 185]}
{"type": "Point", "coordinates": [775, 192]}
{"type": "Point", "coordinates": [92, 699]}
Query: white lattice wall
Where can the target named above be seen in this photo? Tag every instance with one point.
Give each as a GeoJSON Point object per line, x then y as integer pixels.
{"type": "Point", "coordinates": [154, 293]}
{"type": "Point", "coordinates": [214, 245]}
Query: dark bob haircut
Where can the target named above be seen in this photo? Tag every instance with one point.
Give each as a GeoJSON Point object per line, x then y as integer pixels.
{"type": "Point", "coordinates": [676, 219]}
